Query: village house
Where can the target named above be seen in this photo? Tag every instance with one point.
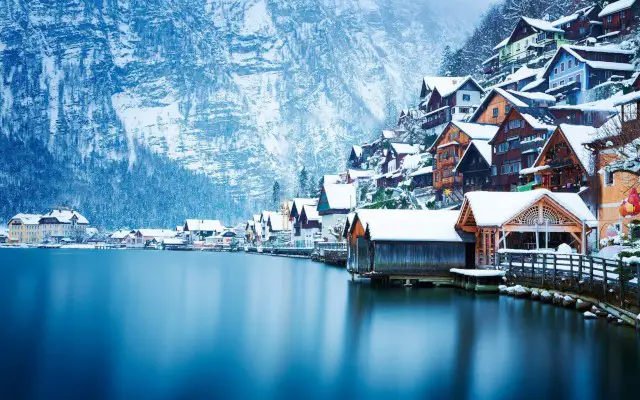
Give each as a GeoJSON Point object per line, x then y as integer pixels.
{"type": "Point", "coordinates": [265, 233]}
{"type": "Point", "coordinates": [250, 231]}
{"type": "Point", "coordinates": [62, 223]}
{"type": "Point", "coordinates": [566, 165]}
{"type": "Point", "coordinates": [356, 156]}
{"type": "Point", "coordinates": [594, 114]}
{"type": "Point", "coordinates": [391, 174]}
{"type": "Point", "coordinates": [119, 237]}
{"type": "Point", "coordinates": [615, 138]}
{"type": "Point", "coordinates": [517, 144]}
{"type": "Point", "coordinates": [498, 102]}
{"type": "Point", "coordinates": [574, 70]}
{"type": "Point", "coordinates": [619, 18]}
{"type": "Point", "coordinates": [199, 229]}
{"type": "Point", "coordinates": [582, 24]}
{"type": "Point", "coordinates": [25, 228]}
{"type": "Point", "coordinates": [142, 238]}
{"type": "Point", "coordinates": [422, 177]}
{"type": "Point", "coordinates": [310, 225]}
{"type": "Point", "coordinates": [406, 244]}
{"type": "Point", "coordinates": [279, 228]}
{"type": "Point", "coordinates": [475, 166]}
{"type": "Point", "coordinates": [530, 39]}
{"type": "Point", "coordinates": [336, 201]}
{"type": "Point", "coordinates": [296, 219]}
{"type": "Point", "coordinates": [532, 220]}
{"type": "Point", "coordinates": [448, 99]}
{"type": "Point", "coordinates": [520, 79]}
{"type": "Point", "coordinates": [447, 150]}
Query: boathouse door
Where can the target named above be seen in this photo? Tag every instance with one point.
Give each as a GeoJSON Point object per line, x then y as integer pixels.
{"type": "Point", "coordinates": [363, 256]}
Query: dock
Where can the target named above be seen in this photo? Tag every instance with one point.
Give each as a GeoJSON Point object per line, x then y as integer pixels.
{"type": "Point", "coordinates": [478, 280]}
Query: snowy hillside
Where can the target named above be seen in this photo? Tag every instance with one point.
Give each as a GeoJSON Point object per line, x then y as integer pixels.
{"type": "Point", "coordinates": [243, 91]}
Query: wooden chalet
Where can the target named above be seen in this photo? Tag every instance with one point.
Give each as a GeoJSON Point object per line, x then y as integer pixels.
{"type": "Point", "coordinates": [518, 80]}
{"type": "Point", "coordinates": [573, 70]}
{"type": "Point", "coordinates": [475, 166]}
{"type": "Point", "coordinates": [619, 18]}
{"type": "Point", "coordinates": [591, 114]}
{"type": "Point", "coordinates": [564, 164]}
{"type": "Point", "coordinates": [407, 244]}
{"type": "Point", "coordinates": [422, 177]}
{"type": "Point", "coordinates": [581, 24]}
{"type": "Point", "coordinates": [447, 151]}
{"type": "Point", "coordinates": [449, 99]}
{"type": "Point", "coordinates": [517, 144]}
{"type": "Point", "coordinates": [498, 102]}
{"type": "Point", "coordinates": [533, 220]}
{"type": "Point", "coordinates": [391, 167]}
{"type": "Point", "coordinates": [356, 156]}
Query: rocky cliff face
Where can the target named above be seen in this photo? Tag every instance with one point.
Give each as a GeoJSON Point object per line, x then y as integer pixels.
{"type": "Point", "coordinates": [244, 91]}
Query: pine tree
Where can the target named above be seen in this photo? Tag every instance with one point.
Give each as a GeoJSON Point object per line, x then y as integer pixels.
{"type": "Point", "coordinates": [275, 195]}
{"type": "Point", "coordinates": [304, 182]}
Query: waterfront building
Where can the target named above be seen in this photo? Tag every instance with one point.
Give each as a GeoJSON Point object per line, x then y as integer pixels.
{"type": "Point", "coordinates": [119, 237]}
{"type": "Point", "coordinates": [310, 226]}
{"type": "Point", "coordinates": [574, 70]}
{"type": "Point", "coordinates": [297, 237]}
{"type": "Point", "coordinates": [407, 244]}
{"type": "Point", "coordinates": [62, 223]}
{"type": "Point", "coordinates": [199, 229]}
{"type": "Point", "coordinates": [336, 201]}
{"type": "Point", "coordinates": [141, 238]}
{"type": "Point", "coordinates": [25, 228]}
{"type": "Point", "coordinates": [536, 219]}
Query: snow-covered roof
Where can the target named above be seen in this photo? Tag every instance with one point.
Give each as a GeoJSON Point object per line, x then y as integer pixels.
{"type": "Point", "coordinates": [573, 17]}
{"type": "Point", "coordinates": [207, 225]}
{"type": "Point", "coordinates": [532, 85]}
{"type": "Point", "coordinates": [522, 73]}
{"type": "Point", "coordinates": [536, 96]}
{"type": "Point", "coordinates": [301, 202]}
{"type": "Point", "coordinates": [606, 105]}
{"type": "Point", "coordinates": [388, 134]}
{"type": "Point", "coordinates": [542, 25]}
{"type": "Point", "coordinates": [120, 234]}
{"type": "Point", "coordinates": [66, 216]}
{"type": "Point", "coordinates": [264, 216]}
{"type": "Point", "coordinates": [609, 49]}
{"type": "Point", "coordinates": [357, 150]}
{"type": "Point", "coordinates": [502, 44]}
{"type": "Point", "coordinates": [615, 7]}
{"type": "Point", "coordinates": [332, 179]}
{"type": "Point", "coordinates": [256, 217]}
{"type": "Point", "coordinates": [311, 212]}
{"type": "Point", "coordinates": [444, 84]}
{"type": "Point", "coordinates": [422, 171]}
{"type": "Point", "coordinates": [487, 99]}
{"type": "Point", "coordinates": [279, 222]}
{"type": "Point", "coordinates": [493, 57]}
{"type": "Point", "coordinates": [157, 233]}
{"type": "Point", "coordinates": [539, 119]}
{"type": "Point", "coordinates": [483, 147]}
{"type": "Point", "coordinates": [340, 196]}
{"type": "Point", "coordinates": [411, 225]}
{"type": "Point", "coordinates": [405, 148]}
{"type": "Point", "coordinates": [27, 219]}
{"type": "Point", "coordinates": [493, 209]}
{"type": "Point", "coordinates": [632, 97]}
{"type": "Point", "coordinates": [578, 136]}
{"type": "Point", "coordinates": [173, 241]}
{"type": "Point", "coordinates": [477, 131]}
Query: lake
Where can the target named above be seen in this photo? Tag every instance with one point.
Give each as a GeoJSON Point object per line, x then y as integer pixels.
{"type": "Point", "coordinates": [119, 324]}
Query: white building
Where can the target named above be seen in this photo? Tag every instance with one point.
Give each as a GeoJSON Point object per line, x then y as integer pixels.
{"type": "Point", "coordinates": [336, 201]}
{"type": "Point", "coordinates": [62, 223]}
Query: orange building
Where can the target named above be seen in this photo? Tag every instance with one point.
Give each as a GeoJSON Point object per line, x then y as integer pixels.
{"type": "Point", "coordinates": [498, 102]}
{"type": "Point", "coordinates": [447, 150]}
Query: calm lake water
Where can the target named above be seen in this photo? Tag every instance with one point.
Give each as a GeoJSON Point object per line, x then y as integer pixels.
{"type": "Point", "coordinates": [190, 325]}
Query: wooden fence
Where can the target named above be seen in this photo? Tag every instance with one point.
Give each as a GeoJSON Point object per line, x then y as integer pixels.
{"type": "Point", "coordinates": [611, 281]}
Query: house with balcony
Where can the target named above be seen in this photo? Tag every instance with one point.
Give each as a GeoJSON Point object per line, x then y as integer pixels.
{"type": "Point", "coordinates": [391, 173]}
{"type": "Point", "coordinates": [619, 18]}
{"type": "Point", "coordinates": [574, 70]}
{"type": "Point", "coordinates": [529, 41]}
{"type": "Point", "coordinates": [498, 102]}
{"type": "Point", "coordinates": [475, 166]}
{"type": "Point", "coordinates": [564, 163]}
{"type": "Point", "coordinates": [450, 99]}
{"type": "Point", "coordinates": [447, 151]}
{"type": "Point", "coordinates": [581, 24]}
{"type": "Point", "coordinates": [594, 113]}
{"type": "Point", "coordinates": [517, 144]}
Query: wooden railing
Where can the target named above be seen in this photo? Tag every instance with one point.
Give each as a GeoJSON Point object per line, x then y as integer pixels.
{"type": "Point", "coordinates": [611, 281]}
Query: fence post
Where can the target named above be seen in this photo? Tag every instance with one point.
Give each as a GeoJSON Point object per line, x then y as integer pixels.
{"type": "Point", "coordinates": [638, 284]}
{"type": "Point", "coordinates": [621, 282]}
{"type": "Point", "coordinates": [604, 278]}
{"type": "Point", "coordinates": [534, 258]}
{"type": "Point", "coordinates": [510, 261]}
{"type": "Point", "coordinates": [590, 273]}
{"type": "Point", "coordinates": [571, 277]}
{"type": "Point", "coordinates": [555, 271]}
{"type": "Point", "coordinates": [544, 267]}
{"type": "Point", "coordinates": [580, 260]}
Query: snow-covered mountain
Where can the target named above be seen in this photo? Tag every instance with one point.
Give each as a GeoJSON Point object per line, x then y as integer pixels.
{"type": "Point", "coordinates": [243, 90]}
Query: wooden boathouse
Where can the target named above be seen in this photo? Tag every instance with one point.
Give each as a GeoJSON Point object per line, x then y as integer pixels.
{"type": "Point", "coordinates": [421, 245]}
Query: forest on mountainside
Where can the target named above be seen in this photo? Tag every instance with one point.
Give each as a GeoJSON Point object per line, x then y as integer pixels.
{"type": "Point", "coordinates": [495, 26]}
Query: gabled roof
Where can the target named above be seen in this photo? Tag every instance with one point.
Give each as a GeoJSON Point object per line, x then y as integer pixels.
{"type": "Point", "coordinates": [542, 25]}
{"type": "Point", "coordinates": [120, 234]}
{"type": "Point", "coordinates": [360, 173]}
{"type": "Point", "coordinates": [357, 150]}
{"type": "Point", "coordinates": [27, 219]}
{"type": "Point", "coordinates": [311, 212]}
{"type": "Point", "coordinates": [576, 14]}
{"type": "Point", "coordinates": [299, 203]}
{"type": "Point", "coordinates": [502, 44]}
{"type": "Point", "coordinates": [387, 134]}
{"type": "Point", "coordinates": [577, 136]}
{"type": "Point", "coordinates": [66, 216]}
{"type": "Point", "coordinates": [494, 209]}
{"type": "Point", "coordinates": [278, 222]}
{"type": "Point", "coordinates": [471, 129]}
{"type": "Point", "coordinates": [422, 171]}
{"type": "Point", "coordinates": [339, 196]}
{"type": "Point", "coordinates": [539, 118]}
{"type": "Point", "coordinates": [332, 179]}
{"type": "Point", "coordinates": [609, 49]}
{"type": "Point", "coordinates": [443, 84]}
{"type": "Point", "coordinates": [405, 148]}
{"type": "Point", "coordinates": [482, 147]}
{"type": "Point", "coordinates": [487, 99]}
{"type": "Point", "coordinates": [212, 225]}
{"type": "Point", "coordinates": [411, 225]}
{"type": "Point", "coordinates": [615, 7]}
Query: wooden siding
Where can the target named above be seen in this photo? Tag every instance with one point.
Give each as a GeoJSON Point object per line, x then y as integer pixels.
{"type": "Point", "coordinates": [566, 173]}
{"type": "Point", "coordinates": [486, 116]}
{"type": "Point", "coordinates": [617, 22]}
{"type": "Point", "coordinates": [446, 158]}
{"type": "Point", "coordinates": [422, 258]}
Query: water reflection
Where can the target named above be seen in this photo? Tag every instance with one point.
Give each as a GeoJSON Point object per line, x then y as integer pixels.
{"type": "Point", "coordinates": [127, 324]}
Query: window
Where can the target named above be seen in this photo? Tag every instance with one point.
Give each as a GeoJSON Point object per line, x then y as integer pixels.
{"type": "Point", "coordinates": [495, 112]}
{"type": "Point", "coordinates": [466, 97]}
{"type": "Point", "coordinates": [555, 85]}
{"type": "Point", "coordinates": [589, 118]}
{"type": "Point", "coordinates": [555, 70]}
{"type": "Point", "coordinates": [561, 66]}
{"type": "Point", "coordinates": [578, 78]}
{"type": "Point", "coordinates": [582, 30]}
{"type": "Point", "coordinates": [570, 79]}
{"type": "Point", "coordinates": [569, 64]}
{"type": "Point", "coordinates": [622, 14]}
{"type": "Point", "coordinates": [507, 108]}
{"type": "Point", "coordinates": [541, 37]}
{"type": "Point", "coordinates": [561, 82]}
{"type": "Point", "coordinates": [609, 18]}
{"type": "Point", "coordinates": [608, 178]}
{"type": "Point", "coordinates": [568, 25]}
{"type": "Point", "coordinates": [503, 147]}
